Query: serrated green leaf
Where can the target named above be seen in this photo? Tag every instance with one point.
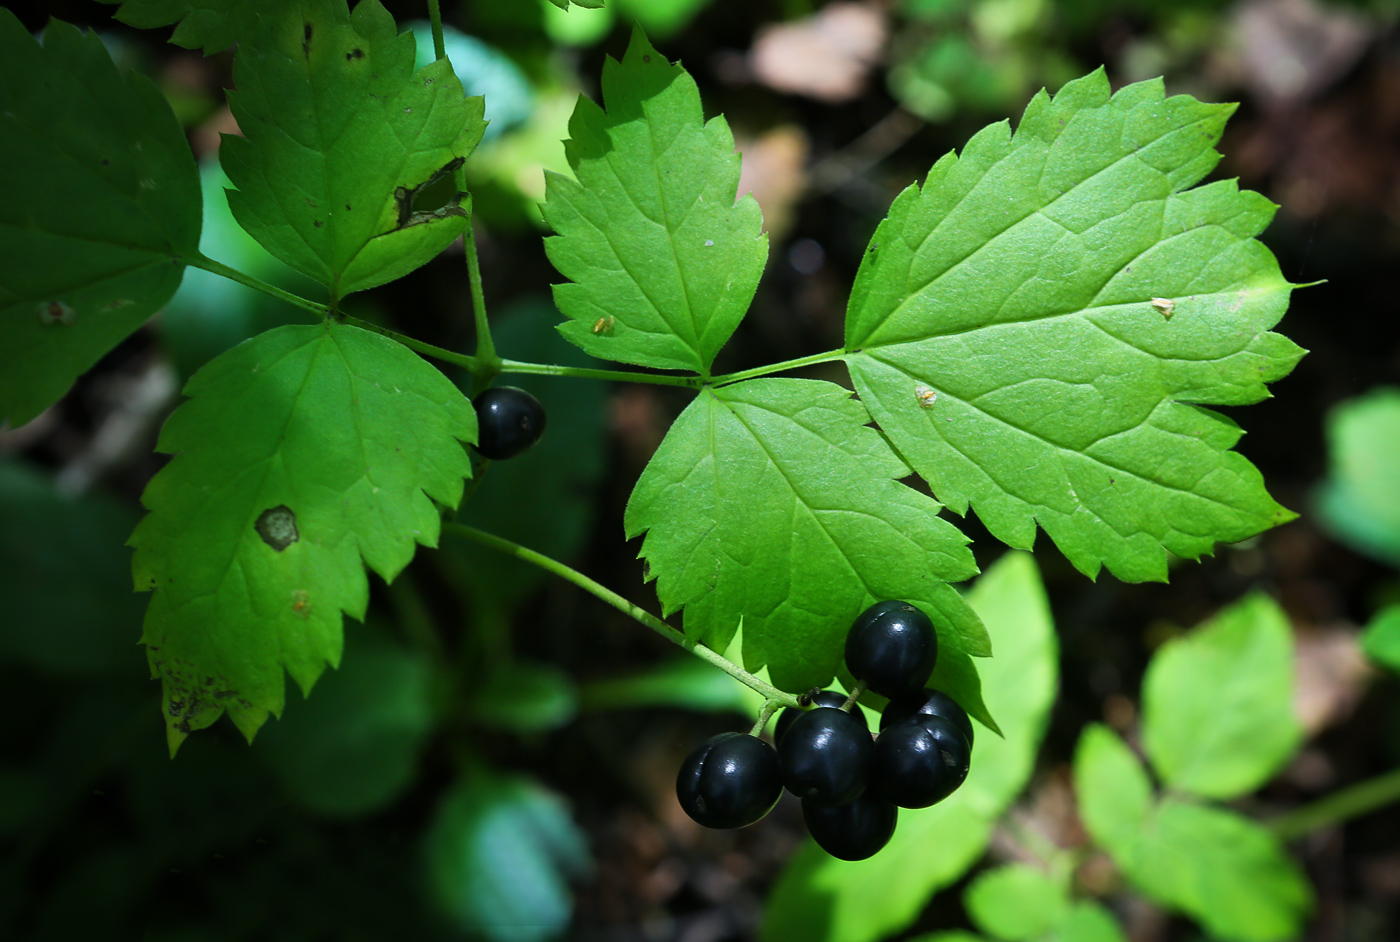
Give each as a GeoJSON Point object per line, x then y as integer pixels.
{"type": "Point", "coordinates": [1217, 710]}
{"type": "Point", "coordinates": [1381, 640]}
{"type": "Point", "coordinates": [102, 200]}
{"type": "Point", "coordinates": [299, 454]}
{"type": "Point", "coordinates": [64, 577]}
{"type": "Point", "coordinates": [771, 501]}
{"type": "Point", "coordinates": [500, 851]}
{"type": "Point", "coordinates": [1034, 328]}
{"type": "Point", "coordinates": [1113, 793]}
{"type": "Point", "coordinates": [210, 25]}
{"type": "Point", "coordinates": [1224, 870]}
{"type": "Point", "coordinates": [821, 899]}
{"type": "Point", "coordinates": [353, 748]}
{"type": "Point", "coordinates": [1016, 901]}
{"type": "Point", "coordinates": [339, 134]}
{"type": "Point", "coordinates": [663, 262]}
{"type": "Point", "coordinates": [1359, 501]}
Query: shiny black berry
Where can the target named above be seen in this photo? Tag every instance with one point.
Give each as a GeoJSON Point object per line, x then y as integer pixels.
{"type": "Point", "coordinates": [827, 698]}
{"type": "Point", "coordinates": [509, 420]}
{"type": "Point", "coordinates": [853, 831]}
{"type": "Point", "coordinates": [825, 756]}
{"type": "Point", "coordinates": [919, 762]}
{"type": "Point", "coordinates": [891, 648]}
{"type": "Point", "coordinates": [730, 781]}
{"type": "Point", "coordinates": [927, 703]}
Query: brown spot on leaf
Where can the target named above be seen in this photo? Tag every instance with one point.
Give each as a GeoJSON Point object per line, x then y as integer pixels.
{"type": "Point", "coordinates": [278, 527]}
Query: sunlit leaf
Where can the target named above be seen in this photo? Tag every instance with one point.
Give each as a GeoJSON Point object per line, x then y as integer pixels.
{"type": "Point", "coordinates": [339, 133]}
{"type": "Point", "coordinates": [1381, 640]}
{"type": "Point", "coordinates": [1359, 500]}
{"type": "Point", "coordinates": [1114, 795]}
{"type": "Point", "coordinates": [1218, 714]}
{"type": "Point", "coordinates": [101, 202]}
{"type": "Point", "coordinates": [302, 456]}
{"type": "Point", "coordinates": [1035, 327]}
{"type": "Point", "coordinates": [1016, 901]}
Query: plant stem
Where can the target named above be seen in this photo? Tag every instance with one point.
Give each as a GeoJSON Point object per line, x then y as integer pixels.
{"type": "Point", "coordinates": [1352, 802]}
{"type": "Point", "coordinates": [233, 274]}
{"type": "Point", "coordinates": [570, 574]}
{"type": "Point", "coordinates": [769, 708]}
{"type": "Point", "coordinates": [778, 367]}
{"type": "Point", "coordinates": [435, 17]}
{"type": "Point", "coordinates": [621, 376]}
{"type": "Point", "coordinates": [447, 356]}
{"type": "Point", "coordinates": [488, 363]}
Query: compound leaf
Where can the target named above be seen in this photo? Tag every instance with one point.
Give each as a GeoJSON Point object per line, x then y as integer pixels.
{"type": "Point", "coordinates": [1217, 710]}
{"type": "Point", "coordinates": [1226, 871]}
{"type": "Point", "coordinates": [663, 261]}
{"type": "Point", "coordinates": [299, 454]}
{"type": "Point", "coordinates": [1359, 501]}
{"type": "Point", "coordinates": [772, 501]}
{"type": "Point", "coordinates": [210, 25]}
{"type": "Point", "coordinates": [1034, 328]}
{"type": "Point", "coordinates": [340, 134]}
{"type": "Point", "coordinates": [1016, 901]}
{"type": "Point", "coordinates": [102, 200]}
{"type": "Point", "coordinates": [821, 899]}
{"type": "Point", "coordinates": [1112, 789]}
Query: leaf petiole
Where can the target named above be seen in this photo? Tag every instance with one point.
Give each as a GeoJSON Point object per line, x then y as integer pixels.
{"type": "Point", "coordinates": [757, 371]}
{"type": "Point", "coordinates": [569, 574]}
{"type": "Point", "coordinates": [435, 18]}
{"type": "Point", "coordinates": [219, 268]}
{"type": "Point", "coordinates": [621, 376]}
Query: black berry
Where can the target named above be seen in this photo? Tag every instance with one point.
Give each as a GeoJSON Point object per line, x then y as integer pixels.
{"type": "Point", "coordinates": [853, 831]}
{"type": "Point", "coordinates": [919, 762]}
{"type": "Point", "coordinates": [827, 698]}
{"type": "Point", "coordinates": [892, 648]}
{"type": "Point", "coordinates": [927, 703]}
{"type": "Point", "coordinates": [730, 781]}
{"type": "Point", "coordinates": [825, 756]}
{"type": "Point", "coordinates": [509, 420]}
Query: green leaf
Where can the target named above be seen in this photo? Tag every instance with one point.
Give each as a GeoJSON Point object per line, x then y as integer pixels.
{"type": "Point", "coordinates": [299, 453]}
{"type": "Point", "coordinates": [686, 682]}
{"type": "Point", "coordinates": [499, 853]}
{"type": "Point", "coordinates": [1112, 789]}
{"type": "Point", "coordinates": [821, 899]}
{"type": "Point", "coordinates": [1034, 328]}
{"type": "Point", "coordinates": [65, 577]}
{"type": "Point", "coordinates": [663, 262]}
{"type": "Point", "coordinates": [1359, 501]}
{"type": "Point", "coordinates": [952, 935]}
{"type": "Point", "coordinates": [1381, 640]}
{"type": "Point", "coordinates": [1224, 870]}
{"type": "Point", "coordinates": [339, 134]}
{"type": "Point", "coordinates": [661, 18]}
{"type": "Point", "coordinates": [1016, 901]}
{"type": "Point", "coordinates": [1217, 710]}
{"type": "Point", "coordinates": [524, 698]}
{"type": "Point", "coordinates": [210, 25]}
{"type": "Point", "coordinates": [586, 4]}
{"type": "Point", "coordinates": [102, 199]}
{"type": "Point", "coordinates": [772, 501]}
{"type": "Point", "coordinates": [354, 747]}
{"type": "Point", "coordinates": [1089, 922]}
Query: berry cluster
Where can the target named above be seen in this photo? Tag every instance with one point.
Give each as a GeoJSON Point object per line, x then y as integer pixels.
{"type": "Point", "coordinates": [851, 784]}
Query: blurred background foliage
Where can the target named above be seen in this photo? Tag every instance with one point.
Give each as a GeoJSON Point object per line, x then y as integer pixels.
{"type": "Point", "coordinates": [495, 757]}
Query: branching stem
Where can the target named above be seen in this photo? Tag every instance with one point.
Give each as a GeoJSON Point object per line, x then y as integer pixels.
{"type": "Point", "coordinates": [233, 274]}
{"type": "Point", "coordinates": [569, 574]}
{"type": "Point", "coordinates": [1338, 807]}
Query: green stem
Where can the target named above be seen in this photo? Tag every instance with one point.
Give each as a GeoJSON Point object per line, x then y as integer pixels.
{"type": "Point", "coordinates": [769, 708]}
{"type": "Point", "coordinates": [778, 367]}
{"type": "Point", "coordinates": [488, 363]}
{"type": "Point", "coordinates": [621, 376]}
{"type": "Point", "coordinates": [435, 17]}
{"type": "Point", "coordinates": [439, 353]}
{"type": "Point", "coordinates": [570, 574]}
{"type": "Point", "coordinates": [1352, 802]}
{"type": "Point", "coordinates": [233, 274]}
